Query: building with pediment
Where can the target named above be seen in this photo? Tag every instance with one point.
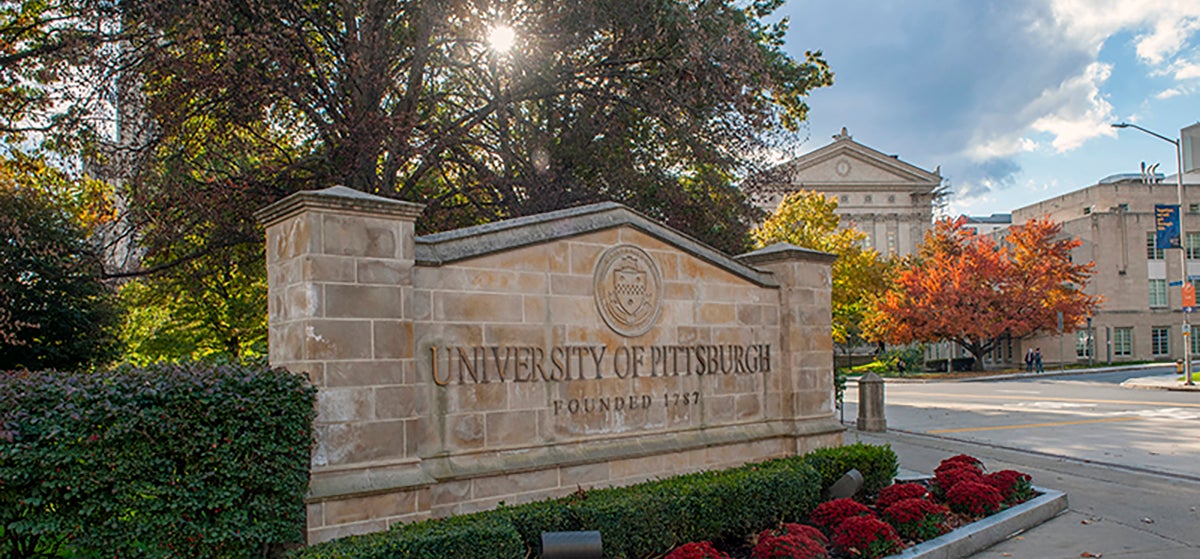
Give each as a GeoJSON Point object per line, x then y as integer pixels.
{"type": "Point", "coordinates": [889, 199]}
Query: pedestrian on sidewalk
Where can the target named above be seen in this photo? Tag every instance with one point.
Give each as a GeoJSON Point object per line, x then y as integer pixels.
{"type": "Point", "coordinates": [1029, 360]}
{"type": "Point", "coordinates": [1037, 360]}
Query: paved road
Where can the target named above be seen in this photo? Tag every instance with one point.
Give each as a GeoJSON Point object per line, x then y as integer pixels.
{"type": "Point", "coordinates": [1085, 417]}
{"type": "Point", "coordinates": [1129, 460]}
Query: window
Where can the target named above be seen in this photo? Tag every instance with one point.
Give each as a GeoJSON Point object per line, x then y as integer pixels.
{"type": "Point", "coordinates": [1160, 340]}
{"type": "Point", "coordinates": [1122, 342]}
{"type": "Point", "coordinates": [1087, 210]}
{"type": "Point", "coordinates": [891, 242]}
{"type": "Point", "coordinates": [1158, 293]}
{"type": "Point", "coordinates": [1192, 244]}
{"type": "Point", "coordinates": [1123, 207]}
{"type": "Point", "coordinates": [1194, 208]}
{"type": "Point", "coordinates": [1083, 344]}
{"type": "Point", "coordinates": [1151, 252]}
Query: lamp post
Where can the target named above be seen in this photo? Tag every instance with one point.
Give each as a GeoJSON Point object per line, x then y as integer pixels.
{"type": "Point", "coordinates": [1187, 346]}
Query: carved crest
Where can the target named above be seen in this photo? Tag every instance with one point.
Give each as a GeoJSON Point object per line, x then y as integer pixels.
{"type": "Point", "coordinates": [628, 288]}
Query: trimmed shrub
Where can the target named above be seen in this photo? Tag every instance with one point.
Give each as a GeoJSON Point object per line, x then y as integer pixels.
{"type": "Point", "coordinates": [892, 494]}
{"type": "Point", "coordinates": [877, 464]}
{"type": "Point", "coordinates": [1014, 486]}
{"type": "Point", "coordinates": [974, 498]}
{"type": "Point", "coordinates": [696, 550]}
{"type": "Point", "coordinates": [917, 519]}
{"type": "Point", "coordinates": [183, 460]}
{"type": "Point", "coordinates": [788, 546]}
{"type": "Point", "coordinates": [866, 537]}
{"type": "Point", "coordinates": [828, 515]}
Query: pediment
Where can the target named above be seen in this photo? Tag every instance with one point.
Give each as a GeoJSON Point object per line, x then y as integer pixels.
{"type": "Point", "coordinates": [846, 162]}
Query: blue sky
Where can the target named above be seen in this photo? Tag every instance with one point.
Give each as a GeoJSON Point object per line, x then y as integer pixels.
{"type": "Point", "coordinates": [1012, 98]}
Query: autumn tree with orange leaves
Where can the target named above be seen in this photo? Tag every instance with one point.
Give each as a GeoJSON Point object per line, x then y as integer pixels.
{"type": "Point", "coordinates": [965, 288]}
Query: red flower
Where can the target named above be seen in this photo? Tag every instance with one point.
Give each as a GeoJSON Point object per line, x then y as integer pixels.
{"type": "Point", "coordinates": [788, 546]}
{"type": "Point", "coordinates": [829, 514]}
{"type": "Point", "coordinates": [917, 519]}
{"type": "Point", "coordinates": [974, 498]}
{"type": "Point", "coordinates": [898, 492]}
{"type": "Point", "coordinates": [866, 537]}
{"type": "Point", "coordinates": [794, 529]}
{"type": "Point", "coordinates": [1014, 486]}
{"type": "Point", "coordinates": [946, 478]}
{"type": "Point", "coordinates": [962, 459]}
{"type": "Point", "coordinates": [696, 550]}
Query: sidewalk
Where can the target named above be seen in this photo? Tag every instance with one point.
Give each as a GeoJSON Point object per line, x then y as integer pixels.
{"type": "Point", "coordinates": [1113, 513]}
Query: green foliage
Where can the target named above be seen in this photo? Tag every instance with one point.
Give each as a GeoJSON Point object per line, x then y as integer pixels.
{"type": "Point", "coordinates": [166, 461]}
{"type": "Point", "coordinates": [54, 309]}
{"type": "Point", "coordinates": [635, 522]}
{"type": "Point", "coordinates": [207, 308]}
{"type": "Point", "coordinates": [877, 464]}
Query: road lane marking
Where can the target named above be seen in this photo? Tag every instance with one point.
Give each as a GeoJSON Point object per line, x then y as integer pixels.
{"type": "Point", "coordinates": [1028, 425]}
{"type": "Point", "coordinates": [1053, 399]}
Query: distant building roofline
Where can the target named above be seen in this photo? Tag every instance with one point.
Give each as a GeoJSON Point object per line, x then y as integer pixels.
{"type": "Point", "coordinates": [997, 218]}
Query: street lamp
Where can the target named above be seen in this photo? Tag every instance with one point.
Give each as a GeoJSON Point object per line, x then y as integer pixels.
{"type": "Point", "coordinates": [1187, 347]}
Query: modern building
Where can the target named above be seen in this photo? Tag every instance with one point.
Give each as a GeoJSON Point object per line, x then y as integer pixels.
{"type": "Point", "coordinates": [1141, 316]}
{"type": "Point", "coordinates": [890, 200]}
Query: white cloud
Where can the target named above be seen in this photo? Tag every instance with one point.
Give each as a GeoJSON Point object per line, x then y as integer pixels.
{"type": "Point", "coordinates": [1163, 25]}
{"type": "Point", "coordinates": [1075, 111]}
{"type": "Point", "coordinates": [1186, 70]}
{"type": "Point", "coordinates": [1168, 93]}
{"type": "Point", "coordinates": [1005, 145]}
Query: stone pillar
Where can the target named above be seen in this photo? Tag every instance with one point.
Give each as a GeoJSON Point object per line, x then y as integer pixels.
{"type": "Point", "coordinates": [805, 338]}
{"type": "Point", "coordinates": [339, 265]}
{"type": "Point", "coordinates": [870, 404]}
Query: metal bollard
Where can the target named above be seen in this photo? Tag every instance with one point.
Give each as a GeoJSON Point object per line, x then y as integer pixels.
{"type": "Point", "coordinates": [571, 545]}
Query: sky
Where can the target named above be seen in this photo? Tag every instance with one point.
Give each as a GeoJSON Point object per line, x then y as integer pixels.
{"type": "Point", "coordinates": [1012, 98]}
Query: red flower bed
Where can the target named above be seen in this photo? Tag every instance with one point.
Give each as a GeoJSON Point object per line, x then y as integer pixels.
{"type": "Point", "coordinates": [917, 519]}
{"type": "Point", "coordinates": [894, 493]}
{"type": "Point", "coordinates": [974, 498]}
{"type": "Point", "coordinates": [1014, 486]}
{"type": "Point", "coordinates": [789, 546]}
{"type": "Point", "coordinates": [830, 514]}
{"type": "Point", "coordinates": [866, 537]}
{"type": "Point", "coordinates": [906, 510]}
{"type": "Point", "coordinates": [696, 550]}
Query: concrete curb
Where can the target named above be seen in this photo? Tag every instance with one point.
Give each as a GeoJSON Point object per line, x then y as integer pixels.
{"type": "Point", "coordinates": [982, 534]}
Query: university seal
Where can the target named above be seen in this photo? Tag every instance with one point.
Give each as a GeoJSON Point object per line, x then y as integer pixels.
{"type": "Point", "coordinates": [629, 290]}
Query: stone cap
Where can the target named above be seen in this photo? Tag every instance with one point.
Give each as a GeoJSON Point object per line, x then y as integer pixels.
{"type": "Point", "coordinates": [338, 198]}
{"type": "Point", "coordinates": [470, 242]}
{"type": "Point", "coordinates": [782, 252]}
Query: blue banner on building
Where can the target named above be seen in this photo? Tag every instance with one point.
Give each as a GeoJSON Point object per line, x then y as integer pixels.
{"type": "Point", "coordinates": [1166, 224]}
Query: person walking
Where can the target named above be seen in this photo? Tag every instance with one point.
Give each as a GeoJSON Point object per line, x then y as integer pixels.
{"type": "Point", "coordinates": [1029, 360]}
{"type": "Point", "coordinates": [1037, 360]}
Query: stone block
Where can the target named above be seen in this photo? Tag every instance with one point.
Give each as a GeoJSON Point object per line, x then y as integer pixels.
{"type": "Point", "coordinates": [584, 258]}
{"type": "Point", "coordinates": [511, 428]}
{"type": "Point", "coordinates": [383, 271]}
{"type": "Point", "coordinates": [477, 307]}
{"type": "Point", "coordinates": [748, 406]}
{"type": "Point", "coordinates": [450, 493]}
{"type": "Point", "coordinates": [514, 484]}
{"type": "Point", "coordinates": [363, 301]}
{"type": "Point", "coordinates": [465, 431]}
{"type": "Point", "coordinates": [679, 291]}
{"type": "Point", "coordinates": [336, 339]}
{"type": "Point", "coordinates": [571, 285]}
{"type": "Point", "coordinates": [359, 236]}
{"type": "Point", "coordinates": [364, 373]}
{"type": "Point", "coordinates": [314, 513]}
{"type": "Point", "coordinates": [353, 443]}
{"type": "Point", "coordinates": [584, 475]}
{"type": "Point", "coordinates": [357, 509]}
{"type": "Point", "coordinates": [322, 268]}
{"type": "Point", "coordinates": [399, 402]}
{"type": "Point", "coordinates": [476, 397]}
{"type": "Point", "coordinates": [345, 530]}
{"type": "Point", "coordinates": [392, 339]}
{"type": "Point", "coordinates": [341, 405]}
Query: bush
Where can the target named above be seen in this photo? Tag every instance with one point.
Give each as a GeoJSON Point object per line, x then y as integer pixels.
{"type": "Point", "coordinates": [917, 519]}
{"type": "Point", "coordinates": [866, 537]}
{"type": "Point", "coordinates": [167, 461]}
{"type": "Point", "coordinates": [877, 464]}
{"type": "Point", "coordinates": [796, 530]}
{"type": "Point", "coordinates": [642, 520]}
{"type": "Point", "coordinates": [974, 498]}
{"type": "Point", "coordinates": [1014, 486]}
{"type": "Point", "coordinates": [828, 515]}
{"type": "Point", "coordinates": [898, 492]}
{"type": "Point", "coordinates": [696, 550]}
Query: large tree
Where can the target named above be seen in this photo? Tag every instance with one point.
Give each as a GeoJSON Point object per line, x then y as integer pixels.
{"type": "Point", "coordinates": [808, 219]}
{"type": "Point", "coordinates": [659, 104]}
{"type": "Point", "coordinates": [966, 288]}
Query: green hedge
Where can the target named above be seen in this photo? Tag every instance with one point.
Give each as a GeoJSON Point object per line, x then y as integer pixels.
{"type": "Point", "coordinates": [877, 464]}
{"type": "Point", "coordinates": [168, 461]}
{"type": "Point", "coordinates": [635, 522]}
